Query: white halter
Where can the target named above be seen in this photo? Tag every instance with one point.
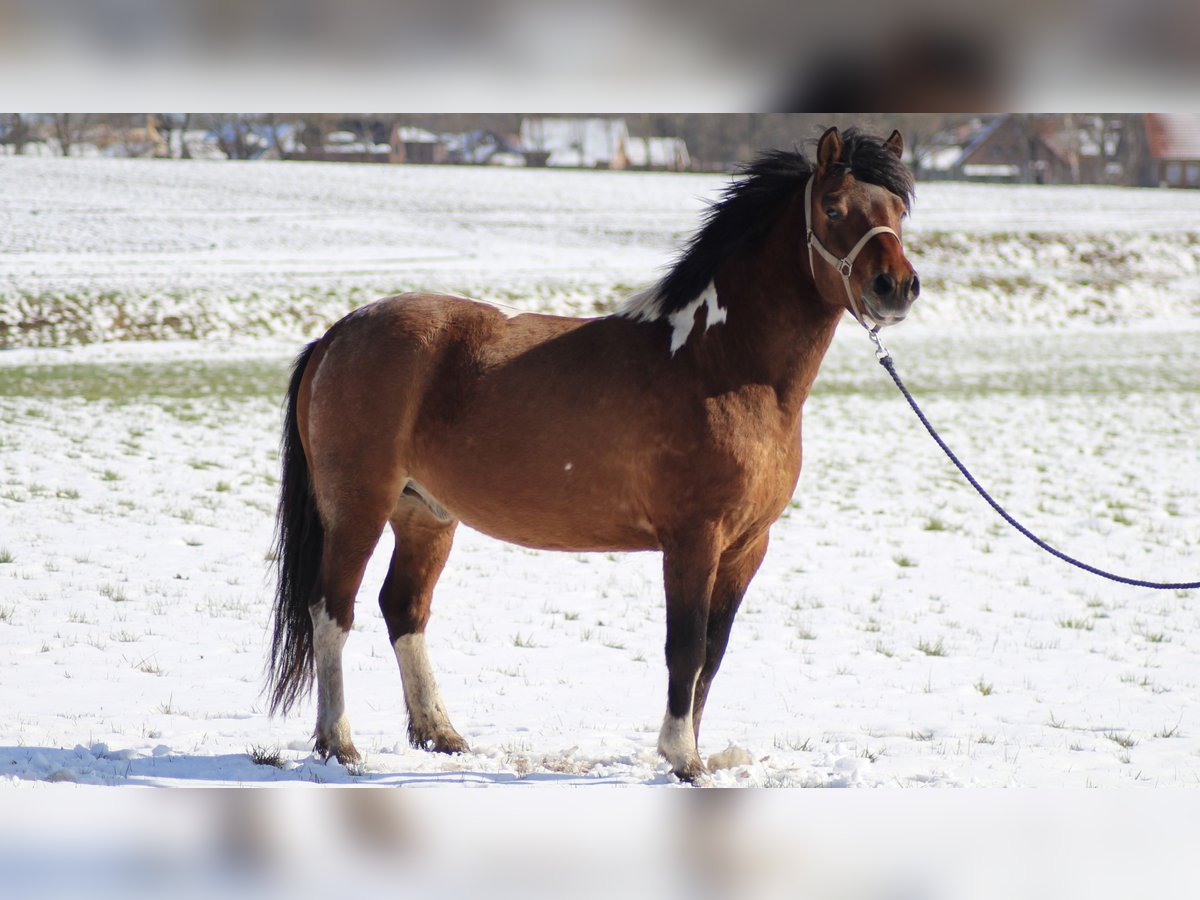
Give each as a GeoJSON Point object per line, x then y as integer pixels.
{"type": "Point", "coordinates": [844, 266]}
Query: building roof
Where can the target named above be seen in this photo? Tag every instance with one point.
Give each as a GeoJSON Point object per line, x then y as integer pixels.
{"type": "Point", "coordinates": [1174, 136]}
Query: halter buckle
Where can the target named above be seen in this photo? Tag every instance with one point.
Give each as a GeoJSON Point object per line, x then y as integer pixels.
{"type": "Point", "coordinates": [845, 267]}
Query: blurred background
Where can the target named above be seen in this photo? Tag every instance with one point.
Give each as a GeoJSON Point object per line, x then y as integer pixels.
{"type": "Point", "coordinates": [1116, 148]}
{"type": "Point", "coordinates": [757, 55]}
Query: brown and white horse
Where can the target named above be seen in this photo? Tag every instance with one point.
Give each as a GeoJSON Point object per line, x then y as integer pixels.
{"type": "Point", "coordinates": [673, 425]}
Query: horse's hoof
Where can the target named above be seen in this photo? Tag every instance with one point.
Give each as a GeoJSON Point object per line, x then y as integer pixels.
{"type": "Point", "coordinates": [451, 743]}
{"type": "Point", "coordinates": [440, 742]}
{"type": "Point", "coordinates": [690, 771]}
{"type": "Point", "coordinates": [346, 754]}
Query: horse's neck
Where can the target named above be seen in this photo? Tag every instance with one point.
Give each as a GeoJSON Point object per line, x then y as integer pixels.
{"type": "Point", "coordinates": [777, 331]}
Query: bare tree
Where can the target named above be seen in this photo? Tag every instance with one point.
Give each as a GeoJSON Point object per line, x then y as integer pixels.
{"type": "Point", "coordinates": [68, 130]}
{"type": "Point", "coordinates": [235, 134]}
{"type": "Point", "coordinates": [18, 133]}
{"type": "Point", "coordinates": [170, 124]}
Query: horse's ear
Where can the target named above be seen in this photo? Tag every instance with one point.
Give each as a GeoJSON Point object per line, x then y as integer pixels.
{"type": "Point", "coordinates": [896, 144]}
{"type": "Point", "coordinates": [829, 148]}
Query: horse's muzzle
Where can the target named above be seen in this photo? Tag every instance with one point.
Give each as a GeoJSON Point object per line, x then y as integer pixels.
{"type": "Point", "coordinates": [887, 300]}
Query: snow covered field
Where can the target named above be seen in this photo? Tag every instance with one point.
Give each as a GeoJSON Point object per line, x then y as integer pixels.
{"type": "Point", "coordinates": [128, 249]}
{"type": "Point", "coordinates": [897, 634]}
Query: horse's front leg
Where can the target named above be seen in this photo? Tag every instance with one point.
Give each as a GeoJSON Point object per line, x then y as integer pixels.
{"type": "Point", "coordinates": [689, 568]}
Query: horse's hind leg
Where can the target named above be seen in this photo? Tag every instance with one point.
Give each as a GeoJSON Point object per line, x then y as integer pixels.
{"type": "Point", "coordinates": [423, 540]}
{"type": "Point", "coordinates": [343, 563]}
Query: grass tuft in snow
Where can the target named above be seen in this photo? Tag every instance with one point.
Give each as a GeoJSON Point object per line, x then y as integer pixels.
{"type": "Point", "coordinates": [1124, 741]}
{"type": "Point", "coordinates": [1076, 624]}
{"type": "Point", "coordinates": [935, 649]}
{"type": "Point", "coordinates": [262, 755]}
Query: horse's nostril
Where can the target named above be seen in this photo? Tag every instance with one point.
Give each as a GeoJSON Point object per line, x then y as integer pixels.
{"type": "Point", "coordinates": [884, 285]}
{"type": "Point", "coordinates": [914, 289]}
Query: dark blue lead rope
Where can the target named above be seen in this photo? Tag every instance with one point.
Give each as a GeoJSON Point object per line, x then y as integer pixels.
{"type": "Point", "coordinates": [885, 360]}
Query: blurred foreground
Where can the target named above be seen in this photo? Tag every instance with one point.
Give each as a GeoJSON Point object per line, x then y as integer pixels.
{"type": "Point", "coordinates": [585, 844]}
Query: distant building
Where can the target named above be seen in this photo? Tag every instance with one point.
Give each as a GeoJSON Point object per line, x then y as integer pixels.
{"type": "Point", "coordinates": [593, 143]}
{"type": "Point", "coordinates": [667, 153]}
{"type": "Point", "coordinates": [1172, 151]}
{"type": "Point", "coordinates": [1030, 149]}
{"type": "Point", "coordinates": [416, 145]}
{"type": "Point", "coordinates": [598, 143]}
{"type": "Point", "coordinates": [1008, 149]}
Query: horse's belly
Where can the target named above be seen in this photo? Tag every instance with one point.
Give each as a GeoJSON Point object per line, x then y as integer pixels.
{"type": "Point", "coordinates": [549, 526]}
{"type": "Point", "coordinates": [558, 506]}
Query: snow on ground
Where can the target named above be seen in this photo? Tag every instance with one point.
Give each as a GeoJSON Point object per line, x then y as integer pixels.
{"type": "Point", "coordinates": [897, 634]}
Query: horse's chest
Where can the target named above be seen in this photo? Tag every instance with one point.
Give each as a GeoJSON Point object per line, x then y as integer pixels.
{"type": "Point", "coordinates": [755, 463]}
{"type": "Point", "coordinates": [771, 476]}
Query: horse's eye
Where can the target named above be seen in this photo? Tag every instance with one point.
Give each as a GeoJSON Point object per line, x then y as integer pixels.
{"type": "Point", "coordinates": [832, 214]}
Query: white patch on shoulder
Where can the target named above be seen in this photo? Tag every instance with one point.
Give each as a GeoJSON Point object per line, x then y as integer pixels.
{"type": "Point", "coordinates": [684, 320]}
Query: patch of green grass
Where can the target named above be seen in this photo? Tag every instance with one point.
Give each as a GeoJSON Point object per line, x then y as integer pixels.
{"type": "Point", "coordinates": [984, 687]}
{"type": "Point", "coordinates": [904, 562]}
{"type": "Point", "coordinates": [136, 382]}
{"type": "Point", "coordinates": [933, 523]}
{"type": "Point", "coordinates": [6, 558]}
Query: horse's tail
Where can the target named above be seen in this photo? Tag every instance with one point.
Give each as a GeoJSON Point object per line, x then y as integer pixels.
{"type": "Point", "coordinates": [299, 540]}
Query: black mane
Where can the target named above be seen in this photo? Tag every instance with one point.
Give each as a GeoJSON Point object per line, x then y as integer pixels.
{"type": "Point", "coordinates": [750, 206]}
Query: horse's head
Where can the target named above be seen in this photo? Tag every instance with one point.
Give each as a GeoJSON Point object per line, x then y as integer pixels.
{"type": "Point", "coordinates": [857, 195]}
